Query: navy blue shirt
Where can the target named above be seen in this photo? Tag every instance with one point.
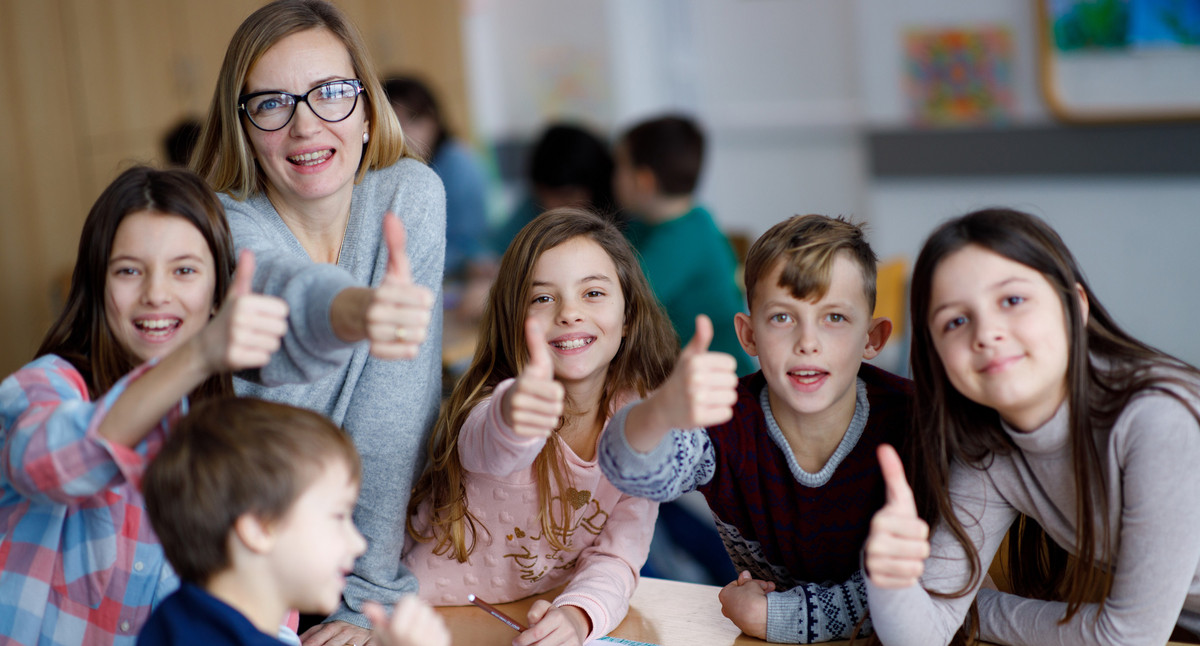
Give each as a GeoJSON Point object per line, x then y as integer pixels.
{"type": "Point", "coordinates": [193, 616]}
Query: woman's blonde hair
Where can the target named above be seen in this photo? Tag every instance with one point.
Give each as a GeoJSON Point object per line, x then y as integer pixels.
{"type": "Point", "coordinates": [642, 362]}
{"type": "Point", "coordinates": [224, 156]}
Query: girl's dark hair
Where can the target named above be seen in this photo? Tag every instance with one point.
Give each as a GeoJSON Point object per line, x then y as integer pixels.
{"type": "Point", "coordinates": [1106, 367]}
{"type": "Point", "coordinates": [81, 334]}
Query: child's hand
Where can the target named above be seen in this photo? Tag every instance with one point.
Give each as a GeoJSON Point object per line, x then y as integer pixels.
{"type": "Point", "coordinates": [413, 623]}
{"type": "Point", "coordinates": [898, 544]}
{"type": "Point", "coordinates": [744, 601]}
{"type": "Point", "coordinates": [551, 625]}
{"type": "Point", "coordinates": [398, 315]}
{"type": "Point", "coordinates": [701, 391]}
{"type": "Point", "coordinates": [246, 330]}
{"type": "Point", "coordinates": [532, 405]}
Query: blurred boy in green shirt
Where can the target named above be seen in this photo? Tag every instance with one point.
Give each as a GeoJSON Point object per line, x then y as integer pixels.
{"type": "Point", "coordinates": [686, 258]}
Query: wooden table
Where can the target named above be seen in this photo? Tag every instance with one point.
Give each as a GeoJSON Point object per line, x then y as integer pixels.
{"type": "Point", "coordinates": [667, 613]}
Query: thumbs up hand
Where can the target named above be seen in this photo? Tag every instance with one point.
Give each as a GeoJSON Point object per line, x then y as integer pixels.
{"type": "Point", "coordinates": [247, 329]}
{"type": "Point", "coordinates": [398, 315]}
{"type": "Point", "coordinates": [898, 544]}
{"type": "Point", "coordinates": [534, 403]}
{"type": "Point", "coordinates": [702, 389]}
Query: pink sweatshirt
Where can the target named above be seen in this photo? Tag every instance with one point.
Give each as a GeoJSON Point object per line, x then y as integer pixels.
{"type": "Point", "coordinates": [609, 532]}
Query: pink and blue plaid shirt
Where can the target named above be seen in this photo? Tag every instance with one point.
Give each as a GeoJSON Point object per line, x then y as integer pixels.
{"type": "Point", "coordinates": [79, 562]}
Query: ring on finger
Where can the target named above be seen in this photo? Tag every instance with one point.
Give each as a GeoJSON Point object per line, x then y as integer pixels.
{"type": "Point", "coordinates": [401, 336]}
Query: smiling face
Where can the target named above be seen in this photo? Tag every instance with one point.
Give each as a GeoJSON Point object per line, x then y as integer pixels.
{"type": "Point", "coordinates": [810, 351]}
{"type": "Point", "coordinates": [159, 284]}
{"type": "Point", "coordinates": [1000, 331]}
{"type": "Point", "coordinates": [576, 293]}
{"type": "Point", "coordinates": [319, 532]}
{"type": "Point", "coordinates": [308, 159]}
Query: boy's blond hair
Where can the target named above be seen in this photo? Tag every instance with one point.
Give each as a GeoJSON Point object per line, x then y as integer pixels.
{"type": "Point", "coordinates": [807, 245]}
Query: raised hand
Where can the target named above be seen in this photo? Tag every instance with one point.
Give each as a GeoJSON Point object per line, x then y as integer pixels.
{"type": "Point", "coordinates": [247, 328]}
{"type": "Point", "coordinates": [551, 625]}
{"type": "Point", "coordinates": [744, 602]}
{"type": "Point", "coordinates": [534, 402]}
{"type": "Point", "coordinates": [701, 391]}
{"type": "Point", "coordinates": [398, 315]}
{"type": "Point", "coordinates": [898, 544]}
{"type": "Point", "coordinates": [413, 623]}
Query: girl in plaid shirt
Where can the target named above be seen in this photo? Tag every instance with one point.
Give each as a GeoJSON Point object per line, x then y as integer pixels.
{"type": "Point", "coordinates": [79, 563]}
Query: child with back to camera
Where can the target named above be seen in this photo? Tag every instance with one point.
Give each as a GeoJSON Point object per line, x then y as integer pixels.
{"type": "Point", "coordinates": [253, 502]}
{"type": "Point", "coordinates": [512, 502]}
{"type": "Point", "coordinates": [792, 478]}
{"type": "Point", "coordinates": [140, 335]}
{"type": "Point", "coordinates": [1039, 417]}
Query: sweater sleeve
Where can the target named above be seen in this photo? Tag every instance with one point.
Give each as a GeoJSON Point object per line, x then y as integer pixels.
{"type": "Point", "coordinates": [487, 445]}
{"type": "Point", "coordinates": [1155, 448]}
{"type": "Point", "coordinates": [912, 615]}
{"type": "Point", "coordinates": [606, 573]}
{"type": "Point", "coordinates": [52, 452]}
{"type": "Point", "coordinates": [310, 349]}
{"type": "Point", "coordinates": [810, 612]}
{"type": "Point", "coordinates": [682, 461]}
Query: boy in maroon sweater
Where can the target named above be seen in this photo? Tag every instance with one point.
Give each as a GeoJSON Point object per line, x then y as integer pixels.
{"type": "Point", "coordinates": [790, 474]}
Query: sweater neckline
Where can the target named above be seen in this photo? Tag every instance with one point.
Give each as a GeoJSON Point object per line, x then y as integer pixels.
{"type": "Point", "coordinates": [858, 423]}
{"type": "Point", "coordinates": [1051, 437]}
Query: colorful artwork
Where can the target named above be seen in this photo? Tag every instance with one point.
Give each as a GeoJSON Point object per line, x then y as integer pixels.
{"type": "Point", "coordinates": [959, 77]}
{"type": "Point", "coordinates": [1119, 24]}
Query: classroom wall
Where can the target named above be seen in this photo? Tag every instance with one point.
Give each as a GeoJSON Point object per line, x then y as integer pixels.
{"type": "Point", "coordinates": [93, 86]}
{"type": "Point", "coordinates": [790, 92]}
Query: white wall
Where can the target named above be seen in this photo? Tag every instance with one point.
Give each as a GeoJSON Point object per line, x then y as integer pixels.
{"type": "Point", "coordinates": [787, 90]}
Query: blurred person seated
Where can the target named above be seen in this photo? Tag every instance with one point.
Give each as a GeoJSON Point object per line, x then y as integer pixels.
{"type": "Point", "coordinates": [569, 166]}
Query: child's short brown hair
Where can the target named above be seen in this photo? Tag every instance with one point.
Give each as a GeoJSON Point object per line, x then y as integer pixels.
{"type": "Point", "coordinates": [807, 246]}
{"type": "Point", "coordinates": [230, 457]}
{"type": "Point", "coordinates": [672, 147]}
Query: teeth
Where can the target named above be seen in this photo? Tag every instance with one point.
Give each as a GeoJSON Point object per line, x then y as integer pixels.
{"type": "Point", "coordinates": [310, 158]}
{"type": "Point", "coordinates": [806, 373]}
{"type": "Point", "coordinates": [572, 344]}
{"type": "Point", "coordinates": [158, 324]}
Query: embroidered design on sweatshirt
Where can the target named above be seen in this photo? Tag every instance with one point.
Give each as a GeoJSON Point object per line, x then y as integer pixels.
{"type": "Point", "coordinates": [535, 557]}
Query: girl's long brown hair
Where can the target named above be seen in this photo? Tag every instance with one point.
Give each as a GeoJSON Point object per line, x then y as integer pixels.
{"type": "Point", "coordinates": [1106, 368]}
{"type": "Point", "coordinates": [643, 361]}
{"type": "Point", "coordinates": [81, 334]}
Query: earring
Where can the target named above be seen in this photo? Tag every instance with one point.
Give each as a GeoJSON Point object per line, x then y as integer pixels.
{"type": "Point", "coordinates": [366, 137]}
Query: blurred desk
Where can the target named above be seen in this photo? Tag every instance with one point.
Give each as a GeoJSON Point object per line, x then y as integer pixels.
{"type": "Point", "coordinates": [667, 613]}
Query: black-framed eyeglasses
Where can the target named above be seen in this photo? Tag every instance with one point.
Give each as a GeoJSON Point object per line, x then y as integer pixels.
{"type": "Point", "coordinates": [272, 110]}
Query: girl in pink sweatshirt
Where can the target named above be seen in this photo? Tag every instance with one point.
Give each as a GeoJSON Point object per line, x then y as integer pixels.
{"type": "Point", "coordinates": [512, 502]}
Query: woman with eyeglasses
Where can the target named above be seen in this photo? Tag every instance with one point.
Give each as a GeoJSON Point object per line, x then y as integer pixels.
{"type": "Point", "coordinates": [308, 158]}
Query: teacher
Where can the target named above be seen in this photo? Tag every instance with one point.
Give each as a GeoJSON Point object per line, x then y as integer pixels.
{"type": "Point", "coordinates": [309, 161]}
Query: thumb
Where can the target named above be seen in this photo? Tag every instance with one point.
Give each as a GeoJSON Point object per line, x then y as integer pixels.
{"type": "Point", "coordinates": [243, 276]}
{"type": "Point", "coordinates": [703, 336]}
{"type": "Point", "coordinates": [540, 365]}
{"type": "Point", "coordinates": [395, 237]}
{"type": "Point", "coordinates": [899, 494]}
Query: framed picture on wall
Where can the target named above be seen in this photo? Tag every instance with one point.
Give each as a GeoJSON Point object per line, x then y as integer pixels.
{"type": "Point", "coordinates": [1120, 60]}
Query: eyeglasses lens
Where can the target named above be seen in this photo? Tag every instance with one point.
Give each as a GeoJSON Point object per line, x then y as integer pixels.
{"type": "Point", "coordinates": [330, 101]}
